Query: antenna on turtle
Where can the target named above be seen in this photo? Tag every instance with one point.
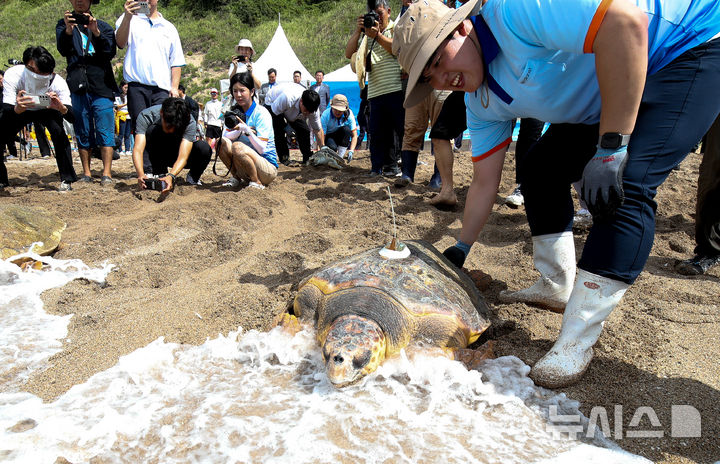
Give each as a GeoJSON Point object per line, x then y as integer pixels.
{"type": "Point", "coordinates": [396, 249]}
{"type": "Point", "coordinates": [392, 210]}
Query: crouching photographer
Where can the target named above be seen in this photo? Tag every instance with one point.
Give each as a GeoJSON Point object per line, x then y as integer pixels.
{"type": "Point", "coordinates": [247, 146]}
{"type": "Point", "coordinates": [33, 92]}
{"type": "Point", "coordinates": [167, 133]}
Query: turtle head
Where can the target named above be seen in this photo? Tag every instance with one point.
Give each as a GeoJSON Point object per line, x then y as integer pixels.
{"type": "Point", "coordinates": [353, 348]}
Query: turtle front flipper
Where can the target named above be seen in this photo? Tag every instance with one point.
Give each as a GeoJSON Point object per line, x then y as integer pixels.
{"type": "Point", "coordinates": [354, 347]}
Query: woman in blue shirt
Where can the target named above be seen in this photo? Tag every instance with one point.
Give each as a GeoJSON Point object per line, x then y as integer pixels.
{"type": "Point", "coordinates": [248, 148]}
{"type": "Point", "coordinates": [339, 126]}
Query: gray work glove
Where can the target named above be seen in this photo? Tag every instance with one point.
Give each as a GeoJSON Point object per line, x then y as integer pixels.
{"type": "Point", "coordinates": [601, 186]}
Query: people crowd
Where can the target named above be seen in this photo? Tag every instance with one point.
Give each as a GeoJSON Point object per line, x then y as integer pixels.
{"type": "Point", "coordinates": [626, 93]}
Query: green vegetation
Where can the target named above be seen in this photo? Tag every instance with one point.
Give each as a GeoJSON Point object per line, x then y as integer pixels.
{"type": "Point", "coordinates": [317, 30]}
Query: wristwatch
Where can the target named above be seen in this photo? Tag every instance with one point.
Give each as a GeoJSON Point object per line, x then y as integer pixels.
{"type": "Point", "coordinates": [613, 140]}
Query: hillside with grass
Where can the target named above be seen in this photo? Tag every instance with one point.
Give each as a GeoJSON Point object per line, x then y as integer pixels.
{"type": "Point", "coordinates": [209, 31]}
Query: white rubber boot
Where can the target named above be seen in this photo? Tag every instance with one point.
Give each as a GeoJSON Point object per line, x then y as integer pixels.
{"type": "Point", "coordinates": [554, 258]}
{"type": "Point", "coordinates": [592, 300]}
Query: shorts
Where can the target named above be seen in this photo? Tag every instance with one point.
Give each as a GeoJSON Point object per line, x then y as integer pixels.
{"type": "Point", "coordinates": [213, 132]}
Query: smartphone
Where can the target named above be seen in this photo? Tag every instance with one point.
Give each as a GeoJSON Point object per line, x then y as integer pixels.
{"type": "Point", "coordinates": [40, 101]}
{"type": "Point", "coordinates": [155, 184]}
{"type": "Point", "coordinates": [80, 18]}
{"type": "Point", "coordinates": [144, 8]}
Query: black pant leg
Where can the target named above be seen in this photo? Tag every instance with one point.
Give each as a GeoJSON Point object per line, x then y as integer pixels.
{"type": "Point", "coordinates": [199, 158]}
{"type": "Point", "coordinates": [530, 132]}
{"type": "Point", "coordinates": [41, 138]}
{"type": "Point", "coordinates": [302, 133]}
{"type": "Point", "coordinates": [281, 146]}
{"type": "Point", "coordinates": [63, 156]}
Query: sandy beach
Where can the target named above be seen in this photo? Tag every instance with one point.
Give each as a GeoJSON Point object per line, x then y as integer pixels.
{"type": "Point", "coordinates": [208, 259]}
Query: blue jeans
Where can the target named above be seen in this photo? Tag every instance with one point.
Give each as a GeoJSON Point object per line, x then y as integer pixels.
{"type": "Point", "coordinates": [679, 104]}
{"type": "Point", "coordinates": [125, 136]}
{"type": "Point", "coordinates": [90, 107]}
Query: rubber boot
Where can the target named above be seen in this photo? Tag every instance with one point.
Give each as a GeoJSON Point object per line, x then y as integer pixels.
{"type": "Point", "coordinates": [592, 300]}
{"type": "Point", "coordinates": [409, 160]}
{"type": "Point", "coordinates": [554, 258]}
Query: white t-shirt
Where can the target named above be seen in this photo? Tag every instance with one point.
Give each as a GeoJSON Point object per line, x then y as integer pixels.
{"type": "Point", "coordinates": [17, 79]}
{"type": "Point", "coordinates": [212, 111]}
{"type": "Point", "coordinates": [153, 48]}
{"type": "Point", "coordinates": [285, 99]}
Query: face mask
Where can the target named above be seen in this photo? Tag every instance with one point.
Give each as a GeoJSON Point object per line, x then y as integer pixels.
{"type": "Point", "coordinates": [36, 84]}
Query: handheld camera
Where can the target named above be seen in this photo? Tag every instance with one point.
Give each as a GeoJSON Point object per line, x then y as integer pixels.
{"type": "Point", "coordinates": [40, 101]}
{"type": "Point", "coordinates": [80, 18]}
{"type": "Point", "coordinates": [144, 8]}
{"type": "Point", "coordinates": [155, 184]}
{"type": "Point", "coordinates": [369, 19]}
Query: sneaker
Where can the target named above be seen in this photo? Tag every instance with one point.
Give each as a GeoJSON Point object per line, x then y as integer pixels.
{"type": "Point", "coordinates": [394, 171]}
{"type": "Point", "coordinates": [106, 180]}
{"type": "Point", "coordinates": [2, 186]}
{"type": "Point", "coordinates": [374, 174]}
{"type": "Point", "coordinates": [11, 157]}
{"type": "Point", "coordinates": [404, 181]}
{"type": "Point", "coordinates": [515, 199]}
{"type": "Point", "coordinates": [64, 187]}
{"type": "Point", "coordinates": [697, 265]}
{"type": "Point", "coordinates": [86, 179]}
{"type": "Point", "coordinates": [192, 181]}
{"type": "Point", "coordinates": [45, 157]}
{"type": "Point", "coordinates": [128, 153]}
{"type": "Point", "coordinates": [231, 182]}
{"type": "Point", "coordinates": [256, 185]}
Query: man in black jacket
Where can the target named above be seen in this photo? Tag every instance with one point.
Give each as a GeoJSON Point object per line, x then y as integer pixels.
{"type": "Point", "coordinates": [89, 46]}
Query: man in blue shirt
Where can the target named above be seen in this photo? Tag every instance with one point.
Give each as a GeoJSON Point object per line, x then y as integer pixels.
{"type": "Point", "coordinates": [627, 95]}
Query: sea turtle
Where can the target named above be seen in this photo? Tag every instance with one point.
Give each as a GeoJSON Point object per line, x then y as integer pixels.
{"type": "Point", "coordinates": [368, 307]}
{"type": "Point", "coordinates": [21, 226]}
{"type": "Point", "coordinates": [327, 156]}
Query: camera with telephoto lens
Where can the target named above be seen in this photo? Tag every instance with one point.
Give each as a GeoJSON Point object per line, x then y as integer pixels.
{"type": "Point", "coordinates": [369, 19]}
{"type": "Point", "coordinates": [155, 184]}
{"type": "Point", "coordinates": [14, 62]}
{"type": "Point", "coordinates": [233, 117]}
{"type": "Point", "coordinates": [80, 18]}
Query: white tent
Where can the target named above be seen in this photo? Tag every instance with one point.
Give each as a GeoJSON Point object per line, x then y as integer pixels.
{"type": "Point", "coordinates": [280, 55]}
{"type": "Point", "coordinates": [344, 74]}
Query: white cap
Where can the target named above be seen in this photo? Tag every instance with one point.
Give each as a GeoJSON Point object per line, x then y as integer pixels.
{"type": "Point", "coordinates": [244, 43]}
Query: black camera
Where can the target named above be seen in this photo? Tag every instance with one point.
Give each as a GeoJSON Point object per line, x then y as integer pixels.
{"type": "Point", "coordinates": [80, 18]}
{"type": "Point", "coordinates": [242, 58]}
{"type": "Point", "coordinates": [155, 184]}
{"type": "Point", "coordinates": [370, 19]}
{"type": "Point", "coordinates": [234, 116]}
{"type": "Point", "coordinates": [14, 62]}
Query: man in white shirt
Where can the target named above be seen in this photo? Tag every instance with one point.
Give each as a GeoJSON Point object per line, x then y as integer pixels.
{"type": "Point", "coordinates": [33, 92]}
{"type": "Point", "coordinates": [154, 57]}
{"type": "Point", "coordinates": [211, 114]}
{"type": "Point", "coordinates": [292, 104]}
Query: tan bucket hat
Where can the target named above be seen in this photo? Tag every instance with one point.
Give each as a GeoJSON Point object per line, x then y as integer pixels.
{"type": "Point", "coordinates": [339, 102]}
{"type": "Point", "coordinates": [418, 33]}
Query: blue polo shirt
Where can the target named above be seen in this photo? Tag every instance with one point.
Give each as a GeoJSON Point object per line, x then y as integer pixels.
{"type": "Point", "coordinates": [330, 123]}
{"type": "Point", "coordinates": [539, 62]}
